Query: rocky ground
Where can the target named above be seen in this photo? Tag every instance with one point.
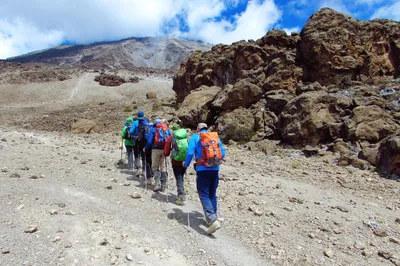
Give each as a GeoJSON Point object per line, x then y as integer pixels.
{"type": "Point", "coordinates": [65, 201]}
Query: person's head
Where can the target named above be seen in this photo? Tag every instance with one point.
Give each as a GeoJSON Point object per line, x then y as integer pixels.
{"type": "Point", "coordinates": [140, 114]}
{"type": "Point", "coordinates": [201, 126]}
{"type": "Point", "coordinates": [175, 127]}
{"type": "Point", "coordinates": [157, 121]}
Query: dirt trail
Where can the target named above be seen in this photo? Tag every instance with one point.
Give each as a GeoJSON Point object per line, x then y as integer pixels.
{"type": "Point", "coordinates": [151, 230]}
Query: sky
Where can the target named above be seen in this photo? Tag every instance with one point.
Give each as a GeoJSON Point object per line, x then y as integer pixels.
{"type": "Point", "coordinates": [30, 25]}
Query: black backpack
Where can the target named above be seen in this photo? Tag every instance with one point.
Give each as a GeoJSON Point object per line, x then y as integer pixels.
{"type": "Point", "coordinates": [127, 132]}
{"type": "Point", "coordinates": [143, 131]}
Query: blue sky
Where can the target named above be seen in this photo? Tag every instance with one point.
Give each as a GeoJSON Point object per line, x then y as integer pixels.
{"type": "Point", "coordinates": [29, 25]}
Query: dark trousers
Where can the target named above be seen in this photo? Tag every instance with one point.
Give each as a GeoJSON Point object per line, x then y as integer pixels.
{"type": "Point", "coordinates": [145, 157]}
{"type": "Point", "coordinates": [207, 184]}
{"type": "Point", "coordinates": [179, 173]}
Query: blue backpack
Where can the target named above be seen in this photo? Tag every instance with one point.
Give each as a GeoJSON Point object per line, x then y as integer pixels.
{"type": "Point", "coordinates": [143, 131]}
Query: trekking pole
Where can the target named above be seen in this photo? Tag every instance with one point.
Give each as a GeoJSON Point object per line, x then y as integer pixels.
{"type": "Point", "coordinates": [122, 148]}
{"type": "Point", "coordinates": [166, 181]}
{"type": "Point", "coordinates": [145, 172]}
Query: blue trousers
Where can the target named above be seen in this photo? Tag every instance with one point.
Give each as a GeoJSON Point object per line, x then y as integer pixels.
{"type": "Point", "coordinates": [129, 150]}
{"type": "Point", "coordinates": [207, 184]}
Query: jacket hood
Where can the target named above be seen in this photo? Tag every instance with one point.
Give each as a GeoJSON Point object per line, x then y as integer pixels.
{"type": "Point", "coordinates": [129, 120]}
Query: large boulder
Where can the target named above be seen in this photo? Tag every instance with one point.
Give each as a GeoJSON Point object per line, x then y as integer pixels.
{"type": "Point", "coordinates": [242, 94]}
{"type": "Point", "coordinates": [196, 106]}
{"type": "Point", "coordinates": [388, 158]}
{"type": "Point", "coordinates": [359, 49]}
{"type": "Point", "coordinates": [237, 125]}
{"type": "Point", "coordinates": [84, 126]}
{"type": "Point", "coordinates": [312, 118]}
{"type": "Point", "coordinates": [370, 123]}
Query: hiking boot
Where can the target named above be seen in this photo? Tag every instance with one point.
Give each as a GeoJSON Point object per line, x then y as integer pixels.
{"type": "Point", "coordinates": [157, 188]}
{"type": "Point", "coordinates": [139, 172]}
{"type": "Point", "coordinates": [213, 227]}
{"type": "Point", "coordinates": [150, 181]}
{"type": "Point", "coordinates": [180, 201]}
{"type": "Point", "coordinates": [163, 188]}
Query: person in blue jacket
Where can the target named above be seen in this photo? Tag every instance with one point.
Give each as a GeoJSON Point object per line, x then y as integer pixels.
{"type": "Point", "coordinates": [207, 179]}
{"type": "Point", "coordinates": [138, 150]}
{"type": "Point", "coordinates": [158, 160]}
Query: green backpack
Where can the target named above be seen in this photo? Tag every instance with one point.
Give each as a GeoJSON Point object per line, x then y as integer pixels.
{"type": "Point", "coordinates": [179, 145]}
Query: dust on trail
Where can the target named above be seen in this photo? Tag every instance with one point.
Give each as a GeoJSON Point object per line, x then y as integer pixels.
{"type": "Point", "coordinates": [77, 86]}
{"type": "Point", "coordinates": [74, 212]}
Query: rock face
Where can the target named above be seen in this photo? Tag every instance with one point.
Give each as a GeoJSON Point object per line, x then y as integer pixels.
{"type": "Point", "coordinates": [335, 46]}
{"type": "Point", "coordinates": [388, 158]}
{"type": "Point", "coordinates": [336, 80]}
{"type": "Point", "coordinates": [84, 126]}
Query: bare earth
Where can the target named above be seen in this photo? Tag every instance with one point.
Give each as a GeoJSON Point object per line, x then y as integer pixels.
{"type": "Point", "coordinates": [75, 203]}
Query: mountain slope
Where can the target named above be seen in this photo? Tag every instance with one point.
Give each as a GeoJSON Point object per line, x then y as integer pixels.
{"type": "Point", "coordinates": [148, 52]}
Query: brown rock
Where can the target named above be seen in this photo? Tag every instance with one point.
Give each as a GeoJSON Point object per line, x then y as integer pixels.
{"type": "Point", "coordinates": [195, 107]}
{"type": "Point", "coordinates": [370, 123]}
{"type": "Point", "coordinates": [151, 95]}
{"type": "Point", "coordinates": [84, 126]}
{"type": "Point", "coordinates": [388, 158]}
{"type": "Point", "coordinates": [380, 232]}
{"type": "Point", "coordinates": [369, 154]}
{"type": "Point", "coordinates": [385, 254]}
{"type": "Point", "coordinates": [237, 125]}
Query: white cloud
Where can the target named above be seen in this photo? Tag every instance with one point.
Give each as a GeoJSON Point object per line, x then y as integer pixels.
{"type": "Point", "coordinates": [389, 11]}
{"type": "Point", "coordinates": [337, 5]}
{"type": "Point", "coordinates": [17, 36]}
{"type": "Point", "coordinates": [290, 30]}
{"type": "Point", "coordinates": [27, 25]}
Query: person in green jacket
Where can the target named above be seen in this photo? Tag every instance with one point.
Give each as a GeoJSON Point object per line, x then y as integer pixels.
{"type": "Point", "coordinates": [129, 144]}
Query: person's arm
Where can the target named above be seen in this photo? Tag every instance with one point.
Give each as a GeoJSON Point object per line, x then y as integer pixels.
{"type": "Point", "coordinates": [167, 148]}
{"type": "Point", "coordinates": [222, 149]}
{"type": "Point", "coordinates": [190, 151]}
{"type": "Point", "coordinates": [123, 132]}
{"type": "Point", "coordinates": [150, 139]}
{"type": "Point", "coordinates": [133, 127]}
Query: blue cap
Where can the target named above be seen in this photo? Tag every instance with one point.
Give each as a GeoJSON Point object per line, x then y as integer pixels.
{"type": "Point", "coordinates": [140, 114]}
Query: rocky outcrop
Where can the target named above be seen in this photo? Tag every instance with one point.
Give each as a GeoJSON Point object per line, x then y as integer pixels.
{"type": "Point", "coordinates": [333, 82]}
{"type": "Point", "coordinates": [388, 158]}
{"type": "Point", "coordinates": [84, 126]}
{"type": "Point", "coordinates": [335, 46]}
{"type": "Point", "coordinates": [196, 106]}
{"type": "Point", "coordinates": [114, 80]}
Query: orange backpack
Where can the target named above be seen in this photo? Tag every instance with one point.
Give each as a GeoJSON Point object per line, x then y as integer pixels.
{"type": "Point", "coordinates": [211, 155]}
{"type": "Point", "coordinates": [161, 135]}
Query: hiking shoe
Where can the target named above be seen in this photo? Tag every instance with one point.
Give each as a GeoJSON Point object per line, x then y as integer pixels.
{"type": "Point", "coordinates": [162, 188]}
{"type": "Point", "coordinates": [150, 181]}
{"type": "Point", "coordinates": [180, 201]}
{"type": "Point", "coordinates": [213, 227]}
{"type": "Point", "coordinates": [139, 172]}
{"type": "Point", "coordinates": [157, 188]}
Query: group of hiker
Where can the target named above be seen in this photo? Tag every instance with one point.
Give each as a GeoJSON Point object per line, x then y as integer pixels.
{"type": "Point", "coordinates": [148, 145]}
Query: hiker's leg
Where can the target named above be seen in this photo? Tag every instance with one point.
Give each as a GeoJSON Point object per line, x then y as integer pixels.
{"type": "Point", "coordinates": [179, 171]}
{"type": "Point", "coordinates": [137, 156]}
{"type": "Point", "coordinates": [155, 162]}
{"type": "Point", "coordinates": [203, 188]}
{"type": "Point", "coordinates": [148, 163]}
{"type": "Point", "coordinates": [129, 151]}
{"type": "Point", "coordinates": [214, 180]}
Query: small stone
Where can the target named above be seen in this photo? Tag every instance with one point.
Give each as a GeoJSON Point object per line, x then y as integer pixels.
{"type": "Point", "coordinates": [359, 245]}
{"type": "Point", "coordinates": [104, 242]}
{"type": "Point", "coordinates": [341, 208]}
{"type": "Point", "coordinates": [31, 229]}
{"type": "Point", "coordinates": [135, 196]}
{"type": "Point", "coordinates": [53, 212]}
{"type": "Point", "coordinates": [394, 240]}
{"type": "Point", "coordinates": [258, 213]}
{"type": "Point", "coordinates": [61, 205]}
{"type": "Point", "coordinates": [288, 209]}
{"type": "Point", "coordinates": [366, 253]}
{"type": "Point", "coordinates": [33, 177]}
{"type": "Point", "coordinates": [147, 250]}
{"type": "Point", "coordinates": [385, 254]}
{"type": "Point", "coordinates": [68, 244]}
{"type": "Point", "coordinates": [57, 238]}
{"type": "Point", "coordinates": [108, 187]}
{"type": "Point", "coordinates": [42, 176]}
{"type": "Point", "coordinates": [5, 251]}
{"type": "Point", "coordinates": [20, 207]}
{"type": "Point", "coordinates": [278, 186]}
{"type": "Point", "coordinates": [15, 175]}
{"type": "Point", "coordinates": [4, 169]}
{"type": "Point", "coordinates": [312, 236]}
{"type": "Point", "coordinates": [126, 184]}
{"type": "Point", "coordinates": [114, 260]}
{"type": "Point", "coordinates": [328, 253]}
{"type": "Point", "coordinates": [212, 262]}
{"type": "Point", "coordinates": [25, 168]}
{"type": "Point", "coordinates": [296, 200]}
{"type": "Point", "coordinates": [113, 180]}
{"type": "Point", "coordinates": [397, 220]}
{"type": "Point", "coordinates": [129, 257]}
{"type": "Point", "coordinates": [102, 166]}
{"type": "Point", "coordinates": [83, 162]}
{"type": "Point", "coordinates": [380, 232]}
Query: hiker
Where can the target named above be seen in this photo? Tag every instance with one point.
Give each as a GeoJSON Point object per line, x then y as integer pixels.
{"type": "Point", "coordinates": [139, 131]}
{"type": "Point", "coordinates": [156, 142]}
{"type": "Point", "coordinates": [209, 153]}
{"type": "Point", "coordinates": [129, 143]}
{"type": "Point", "coordinates": [176, 146]}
